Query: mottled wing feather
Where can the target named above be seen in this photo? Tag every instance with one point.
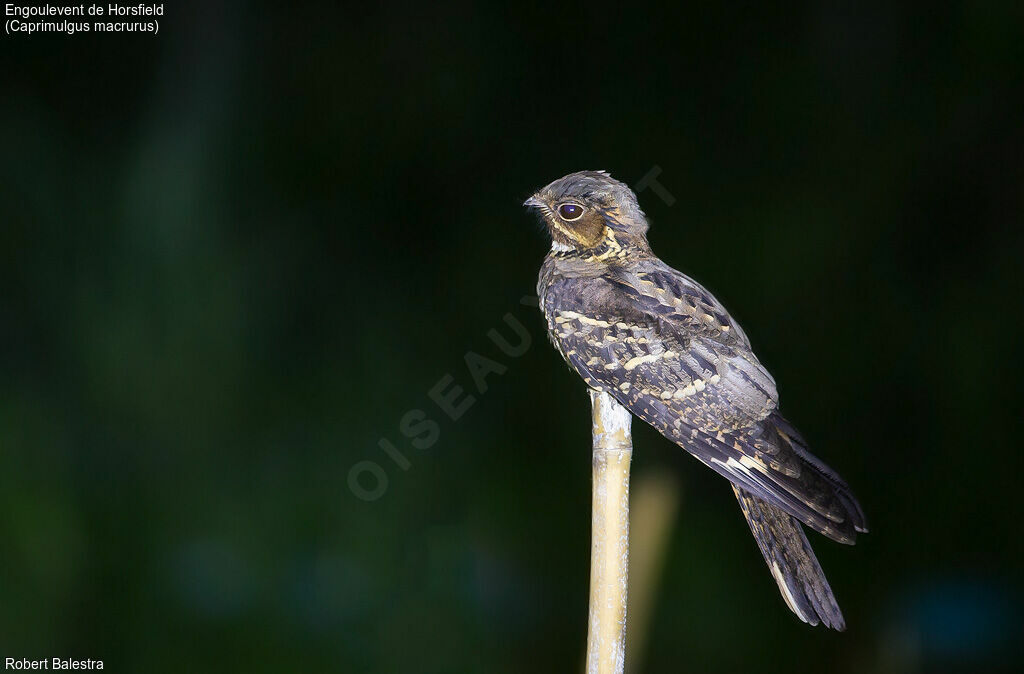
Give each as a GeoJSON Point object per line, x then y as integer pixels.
{"type": "Point", "coordinates": [681, 300]}
{"type": "Point", "coordinates": [707, 394]}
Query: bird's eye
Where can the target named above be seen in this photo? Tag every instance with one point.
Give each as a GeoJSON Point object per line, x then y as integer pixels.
{"type": "Point", "coordinates": [570, 211]}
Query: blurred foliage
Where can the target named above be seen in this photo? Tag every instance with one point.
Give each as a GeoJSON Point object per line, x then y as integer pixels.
{"type": "Point", "coordinates": [236, 254]}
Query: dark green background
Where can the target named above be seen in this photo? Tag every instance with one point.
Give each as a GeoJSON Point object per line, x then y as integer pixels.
{"type": "Point", "coordinates": [234, 255]}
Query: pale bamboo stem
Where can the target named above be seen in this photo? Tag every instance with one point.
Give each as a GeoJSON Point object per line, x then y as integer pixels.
{"type": "Point", "coordinates": [655, 496]}
{"type": "Point", "coordinates": [609, 536]}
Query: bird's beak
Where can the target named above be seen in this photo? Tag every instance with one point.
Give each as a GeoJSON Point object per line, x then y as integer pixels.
{"type": "Point", "coordinates": [533, 202]}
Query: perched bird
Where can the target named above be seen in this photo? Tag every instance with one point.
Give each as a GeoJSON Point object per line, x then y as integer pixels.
{"type": "Point", "coordinates": [668, 351]}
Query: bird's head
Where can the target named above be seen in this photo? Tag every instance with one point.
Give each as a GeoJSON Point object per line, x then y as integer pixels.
{"type": "Point", "coordinates": [589, 209]}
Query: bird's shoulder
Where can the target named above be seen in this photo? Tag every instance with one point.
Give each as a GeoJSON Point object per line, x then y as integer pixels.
{"type": "Point", "coordinates": [645, 290]}
{"type": "Point", "coordinates": [650, 330]}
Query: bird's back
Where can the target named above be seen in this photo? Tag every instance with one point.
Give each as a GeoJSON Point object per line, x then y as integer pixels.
{"type": "Point", "coordinates": [670, 353]}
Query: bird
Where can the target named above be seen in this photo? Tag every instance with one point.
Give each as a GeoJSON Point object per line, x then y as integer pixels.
{"type": "Point", "coordinates": [668, 351]}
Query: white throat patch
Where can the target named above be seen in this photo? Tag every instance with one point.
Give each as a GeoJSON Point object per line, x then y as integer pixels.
{"type": "Point", "coordinates": [559, 247]}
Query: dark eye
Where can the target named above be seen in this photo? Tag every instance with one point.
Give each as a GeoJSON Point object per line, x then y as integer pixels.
{"type": "Point", "coordinates": [570, 211]}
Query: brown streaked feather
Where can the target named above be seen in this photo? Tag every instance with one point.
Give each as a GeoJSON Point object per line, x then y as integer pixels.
{"type": "Point", "coordinates": [710, 396]}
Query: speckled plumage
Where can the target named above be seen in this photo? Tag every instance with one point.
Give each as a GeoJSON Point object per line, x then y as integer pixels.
{"type": "Point", "coordinates": [668, 351]}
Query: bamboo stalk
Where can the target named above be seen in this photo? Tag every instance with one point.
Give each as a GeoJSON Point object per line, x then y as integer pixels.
{"type": "Point", "coordinates": [655, 496]}
{"type": "Point", "coordinates": [609, 535]}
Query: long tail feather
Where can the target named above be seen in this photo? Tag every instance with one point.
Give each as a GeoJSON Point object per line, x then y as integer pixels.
{"type": "Point", "coordinates": [791, 561]}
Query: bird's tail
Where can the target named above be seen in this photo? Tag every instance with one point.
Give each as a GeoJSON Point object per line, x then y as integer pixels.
{"type": "Point", "coordinates": [791, 561]}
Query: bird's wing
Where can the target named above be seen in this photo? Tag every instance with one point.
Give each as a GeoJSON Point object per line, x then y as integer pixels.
{"type": "Point", "coordinates": [705, 393]}
{"type": "Point", "coordinates": [680, 300]}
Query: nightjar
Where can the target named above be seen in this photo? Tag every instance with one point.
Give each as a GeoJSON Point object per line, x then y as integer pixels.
{"type": "Point", "coordinates": [668, 351]}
